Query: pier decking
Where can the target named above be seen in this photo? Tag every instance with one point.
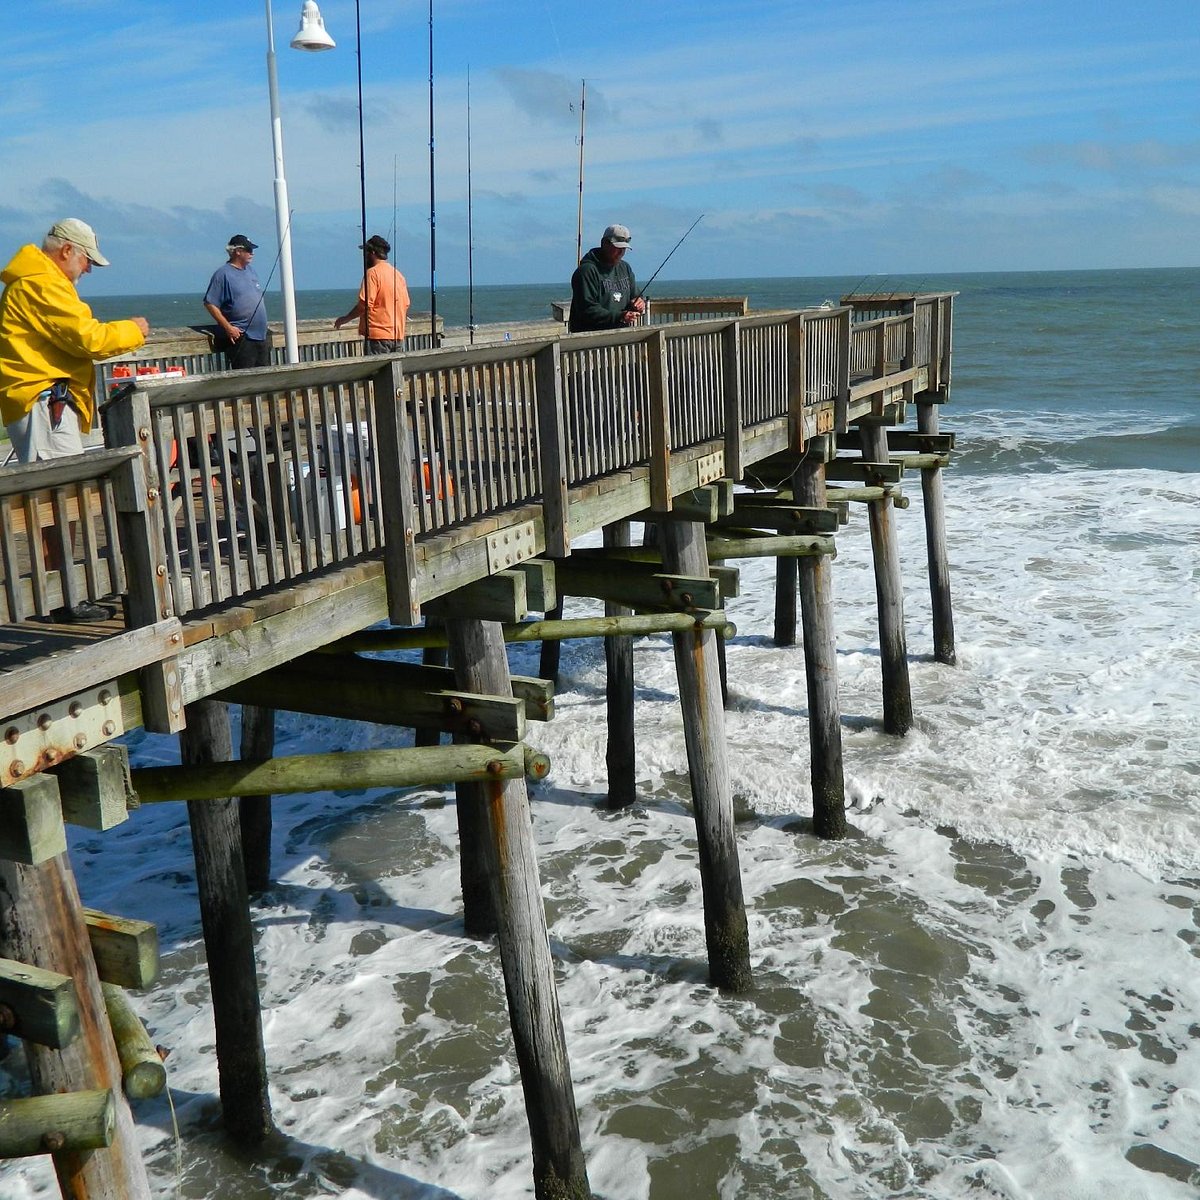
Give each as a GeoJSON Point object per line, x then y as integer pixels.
{"type": "Point", "coordinates": [251, 525]}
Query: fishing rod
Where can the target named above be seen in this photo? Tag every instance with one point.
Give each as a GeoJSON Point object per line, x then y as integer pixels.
{"type": "Point", "coordinates": [470, 226]}
{"type": "Point", "coordinates": [579, 216]}
{"type": "Point", "coordinates": [646, 285]}
{"type": "Point", "coordinates": [362, 168]}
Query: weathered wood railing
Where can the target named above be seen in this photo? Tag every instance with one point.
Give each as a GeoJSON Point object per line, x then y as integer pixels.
{"type": "Point", "coordinates": [275, 473]}
{"type": "Point", "coordinates": [84, 527]}
{"type": "Point", "coordinates": [267, 475]}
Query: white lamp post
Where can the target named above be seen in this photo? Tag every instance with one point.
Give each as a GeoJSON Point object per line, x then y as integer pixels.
{"type": "Point", "coordinates": [312, 36]}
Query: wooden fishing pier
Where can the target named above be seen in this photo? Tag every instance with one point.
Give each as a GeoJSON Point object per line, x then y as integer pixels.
{"type": "Point", "coordinates": [263, 534]}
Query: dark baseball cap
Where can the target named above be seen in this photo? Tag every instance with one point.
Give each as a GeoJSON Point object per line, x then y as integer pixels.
{"type": "Point", "coordinates": [380, 245]}
{"type": "Point", "coordinates": [240, 241]}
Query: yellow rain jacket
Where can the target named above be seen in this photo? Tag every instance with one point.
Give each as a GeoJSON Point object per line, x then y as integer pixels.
{"type": "Point", "coordinates": [48, 333]}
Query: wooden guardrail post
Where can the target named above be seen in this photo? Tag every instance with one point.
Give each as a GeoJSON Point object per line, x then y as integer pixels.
{"type": "Point", "coordinates": [731, 383]}
{"type": "Point", "coordinates": [889, 593]}
{"type": "Point", "coordinates": [726, 931]}
{"type": "Point", "coordinates": [618, 658]}
{"type": "Point", "coordinates": [41, 923]}
{"type": "Point", "coordinates": [820, 661]}
{"type": "Point", "coordinates": [841, 396]}
{"type": "Point", "coordinates": [140, 504]}
{"type": "Point", "coordinates": [480, 665]}
{"type": "Point", "coordinates": [228, 936]}
{"type": "Point", "coordinates": [552, 445]}
{"type": "Point", "coordinates": [396, 479]}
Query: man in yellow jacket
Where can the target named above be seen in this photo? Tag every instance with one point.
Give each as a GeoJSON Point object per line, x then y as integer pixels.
{"type": "Point", "coordinates": [49, 341]}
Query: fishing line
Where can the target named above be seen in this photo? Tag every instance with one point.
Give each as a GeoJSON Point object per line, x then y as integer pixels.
{"type": "Point", "coordinates": [646, 286]}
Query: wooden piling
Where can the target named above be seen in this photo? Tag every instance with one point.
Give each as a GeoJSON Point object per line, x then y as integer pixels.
{"type": "Point", "coordinates": [785, 601]}
{"type": "Point", "coordinates": [889, 593]}
{"type": "Point", "coordinates": [935, 544]}
{"type": "Point", "coordinates": [41, 923]}
{"type": "Point", "coordinates": [815, 575]}
{"type": "Point", "coordinates": [559, 1171]}
{"type": "Point", "coordinates": [618, 659]}
{"type": "Point", "coordinates": [431, 656]}
{"type": "Point", "coordinates": [254, 812]}
{"type": "Point", "coordinates": [726, 930]}
{"type": "Point", "coordinates": [228, 936]}
{"type": "Point", "coordinates": [551, 654]}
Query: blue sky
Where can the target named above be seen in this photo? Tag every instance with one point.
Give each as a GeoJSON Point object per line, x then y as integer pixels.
{"type": "Point", "coordinates": [816, 138]}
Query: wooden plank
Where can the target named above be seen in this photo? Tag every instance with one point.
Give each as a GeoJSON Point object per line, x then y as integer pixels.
{"type": "Point", "coordinates": [83, 665]}
{"type": "Point", "coordinates": [721, 548]}
{"type": "Point", "coordinates": [638, 584]}
{"type": "Point", "coordinates": [125, 950]}
{"type": "Point", "coordinates": [874, 473]}
{"type": "Point", "coordinates": [499, 597]}
{"type": "Point", "coordinates": [382, 692]}
{"type": "Point", "coordinates": [43, 1003]}
{"type": "Point", "coordinates": [220, 662]}
{"type": "Point", "coordinates": [33, 477]}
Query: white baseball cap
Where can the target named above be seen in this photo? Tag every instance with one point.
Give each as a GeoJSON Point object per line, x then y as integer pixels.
{"type": "Point", "coordinates": [80, 233]}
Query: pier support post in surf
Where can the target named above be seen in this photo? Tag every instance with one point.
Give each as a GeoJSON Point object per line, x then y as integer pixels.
{"type": "Point", "coordinates": [785, 601]}
{"type": "Point", "coordinates": [254, 812]}
{"type": "Point", "coordinates": [889, 593]}
{"type": "Point", "coordinates": [815, 574]}
{"type": "Point", "coordinates": [551, 652]}
{"type": "Point", "coordinates": [42, 925]}
{"type": "Point", "coordinates": [935, 543]}
{"type": "Point", "coordinates": [228, 935]}
{"type": "Point", "coordinates": [725, 926]}
{"type": "Point", "coordinates": [618, 658]}
{"type": "Point", "coordinates": [481, 665]}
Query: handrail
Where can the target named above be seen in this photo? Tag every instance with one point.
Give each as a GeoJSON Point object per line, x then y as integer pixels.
{"type": "Point", "coordinates": [270, 474]}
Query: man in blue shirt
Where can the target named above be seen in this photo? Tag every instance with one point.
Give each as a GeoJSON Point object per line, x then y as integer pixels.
{"type": "Point", "coordinates": [235, 300]}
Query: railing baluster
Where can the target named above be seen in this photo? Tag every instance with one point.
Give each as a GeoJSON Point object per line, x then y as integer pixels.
{"type": "Point", "coordinates": [12, 563]}
{"type": "Point", "coordinates": [90, 544]}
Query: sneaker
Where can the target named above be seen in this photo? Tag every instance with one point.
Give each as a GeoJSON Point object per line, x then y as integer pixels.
{"type": "Point", "coordinates": [83, 612]}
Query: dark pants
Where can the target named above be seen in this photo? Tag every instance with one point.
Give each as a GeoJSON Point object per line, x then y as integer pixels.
{"type": "Point", "coordinates": [381, 346]}
{"type": "Point", "coordinates": [246, 353]}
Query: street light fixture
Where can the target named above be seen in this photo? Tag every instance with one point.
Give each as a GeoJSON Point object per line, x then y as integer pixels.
{"type": "Point", "coordinates": [311, 36]}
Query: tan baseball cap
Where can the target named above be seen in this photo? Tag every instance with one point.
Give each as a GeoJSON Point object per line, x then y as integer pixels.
{"type": "Point", "coordinates": [81, 234]}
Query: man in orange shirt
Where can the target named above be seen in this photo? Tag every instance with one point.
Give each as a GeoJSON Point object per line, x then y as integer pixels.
{"type": "Point", "coordinates": [382, 306]}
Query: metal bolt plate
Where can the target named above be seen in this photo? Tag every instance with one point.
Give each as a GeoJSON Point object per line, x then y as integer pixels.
{"type": "Point", "coordinates": [710, 468]}
{"type": "Point", "coordinates": [74, 723]}
{"type": "Point", "coordinates": [507, 547]}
